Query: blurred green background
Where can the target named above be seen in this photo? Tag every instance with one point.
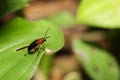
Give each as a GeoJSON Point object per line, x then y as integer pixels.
{"type": "Point", "coordinates": [84, 43]}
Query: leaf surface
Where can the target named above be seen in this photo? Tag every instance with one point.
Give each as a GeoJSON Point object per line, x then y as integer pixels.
{"type": "Point", "coordinates": [14, 65]}
{"type": "Point", "coordinates": [99, 13]}
{"type": "Point", "coordinates": [99, 64]}
{"type": "Point", "coordinates": [7, 6]}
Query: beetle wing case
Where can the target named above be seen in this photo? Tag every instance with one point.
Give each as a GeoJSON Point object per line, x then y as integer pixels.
{"type": "Point", "coordinates": [32, 46]}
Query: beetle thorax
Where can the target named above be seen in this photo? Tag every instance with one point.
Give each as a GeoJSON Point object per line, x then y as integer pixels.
{"type": "Point", "coordinates": [41, 40]}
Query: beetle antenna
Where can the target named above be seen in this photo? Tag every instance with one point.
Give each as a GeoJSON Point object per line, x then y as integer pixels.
{"type": "Point", "coordinates": [48, 37]}
{"type": "Point", "coordinates": [46, 32]}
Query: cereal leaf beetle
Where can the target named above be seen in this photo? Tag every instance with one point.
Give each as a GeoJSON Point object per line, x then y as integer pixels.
{"type": "Point", "coordinates": [36, 45]}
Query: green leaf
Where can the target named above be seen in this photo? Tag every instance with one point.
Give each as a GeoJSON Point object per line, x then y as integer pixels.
{"type": "Point", "coordinates": [7, 6]}
{"type": "Point", "coordinates": [100, 13]}
{"type": "Point", "coordinates": [14, 65]}
{"type": "Point", "coordinates": [62, 19]}
{"type": "Point", "coordinates": [99, 64]}
{"type": "Point", "coordinates": [45, 64]}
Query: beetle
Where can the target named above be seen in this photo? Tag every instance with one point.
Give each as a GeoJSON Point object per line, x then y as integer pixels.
{"type": "Point", "coordinates": [36, 45]}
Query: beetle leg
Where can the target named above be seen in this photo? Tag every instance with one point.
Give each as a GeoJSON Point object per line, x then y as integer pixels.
{"type": "Point", "coordinates": [25, 54]}
{"type": "Point", "coordinates": [22, 48]}
{"type": "Point", "coordinates": [38, 51]}
{"type": "Point", "coordinates": [41, 47]}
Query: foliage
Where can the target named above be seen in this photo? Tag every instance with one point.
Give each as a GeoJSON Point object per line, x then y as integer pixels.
{"type": "Point", "coordinates": [7, 6]}
{"type": "Point", "coordinates": [13, 64]}
{"type": "Point", "coordinates": [62, 19]}
{"type": "Point", "coordinates": [99, 64]}
{"type": "Point", "coordinates": [99, 13]}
